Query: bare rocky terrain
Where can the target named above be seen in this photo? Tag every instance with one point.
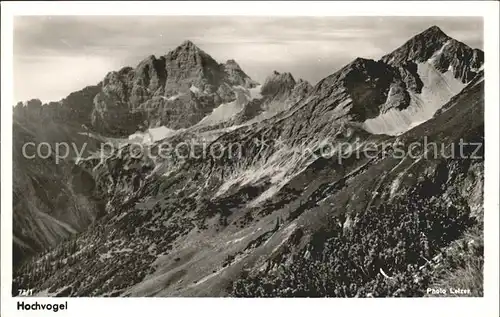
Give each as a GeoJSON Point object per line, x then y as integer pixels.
{"type": "Point", "coordinates": [284, 216]}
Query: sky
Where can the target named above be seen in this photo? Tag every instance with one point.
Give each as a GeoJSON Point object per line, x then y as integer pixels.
{"type": "Point", "coordinates": [56, 55]}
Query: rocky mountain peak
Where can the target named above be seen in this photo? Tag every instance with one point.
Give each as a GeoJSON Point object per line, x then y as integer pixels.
{"type": "Point", "coordinates": [360, 63]}
{"type": "Point", "coordinates": [441, 51]}
{"type": "Point", "coordinates": [186, 76]}
{"type": "Point", "coordinates": [302, 88]}
{"type": "Point", "coordinates": [434, 31]}
{"type": "Point", "coordinates": [419, 48]}
{"type": "Point", "coordinates": [357, 71]}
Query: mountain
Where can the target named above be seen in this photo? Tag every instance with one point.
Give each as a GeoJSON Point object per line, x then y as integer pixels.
{"type": "Point", "coordinates": [280, 189]}
{"type": "Point", "coordinates": [280, 91]}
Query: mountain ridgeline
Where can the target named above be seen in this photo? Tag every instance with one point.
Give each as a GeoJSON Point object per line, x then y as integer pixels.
{"type": "Point", "coordinates": [278, 218]}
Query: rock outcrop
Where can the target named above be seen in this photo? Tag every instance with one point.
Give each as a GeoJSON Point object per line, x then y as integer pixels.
{"type": "Point", "coordinates": [176, 90]}
{"type": "Point", "coordinates": [444, 52]}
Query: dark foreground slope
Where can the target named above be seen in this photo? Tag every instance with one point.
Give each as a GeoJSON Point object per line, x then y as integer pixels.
{"type": "Point", "coordinates": [421, 226]}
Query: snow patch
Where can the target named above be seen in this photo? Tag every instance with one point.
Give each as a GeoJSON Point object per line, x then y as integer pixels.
{"type": "Point", "coordinates": [161, 133]}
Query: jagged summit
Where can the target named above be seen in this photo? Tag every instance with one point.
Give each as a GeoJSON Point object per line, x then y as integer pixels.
{"type": "Point", "coordinates": [278, 82]}
{"type": "Point", "coordinates": [236, 76]}
{"type": "Point", "coordinates": [434, 30]}
{"type": "Point", "coordinates": [187, 48]}
{"type": "Point", "coordinates": [283, 77]}
{"type": "Point", "coordinates": [360, 61]}
{"type": "Point", "coordinates": [187, 44]}
{"type": "Point", "coordinates": [232, 63]}
{"type": "Point", "coordinates": [188, 65]}
{"type": "Point", "coordinates": [440, 50]}
{"type": "Point", "coordinates": [359, 70]}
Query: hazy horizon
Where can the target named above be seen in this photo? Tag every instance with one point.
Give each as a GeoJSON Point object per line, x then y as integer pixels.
{"type": "Point", "coordinates": [54, 56]}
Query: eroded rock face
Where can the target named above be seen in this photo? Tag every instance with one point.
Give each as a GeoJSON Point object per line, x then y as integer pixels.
{"type": "Point", "coordinates": [176, 90]}
{"type": "Point", "coordinates": [278, 83]}
{"type": "Point", "coordinates": [301, 89]}
{"type": "Point", "coordinates": [419, 48]}
{"type": "Point", "coordinates": [177, 226]}
{"type": "Point", "coordinates": [446, 53]}
{"type": "Point", "coordinates": [236, 76]}
{"type": "Point", "coordinates": [156, 219]}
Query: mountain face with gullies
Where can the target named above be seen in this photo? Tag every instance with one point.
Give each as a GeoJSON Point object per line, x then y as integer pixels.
{"type": "Point", "coordinates": [440, 50]}
{"type": "Point", "coordinates": [278, 93]}
{"type": "Point", "coordinates": [283, 216]}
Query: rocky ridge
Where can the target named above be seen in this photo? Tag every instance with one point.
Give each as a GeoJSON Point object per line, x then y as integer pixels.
{"type": "Point", "coordinates": [176, 90]}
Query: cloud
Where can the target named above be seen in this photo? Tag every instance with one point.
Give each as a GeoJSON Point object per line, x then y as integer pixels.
{"type": "Point", "coordinates": [58, 54]}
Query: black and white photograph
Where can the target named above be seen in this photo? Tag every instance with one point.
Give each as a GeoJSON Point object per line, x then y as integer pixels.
{"type": "Point", "coordinates": [275, 156]}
